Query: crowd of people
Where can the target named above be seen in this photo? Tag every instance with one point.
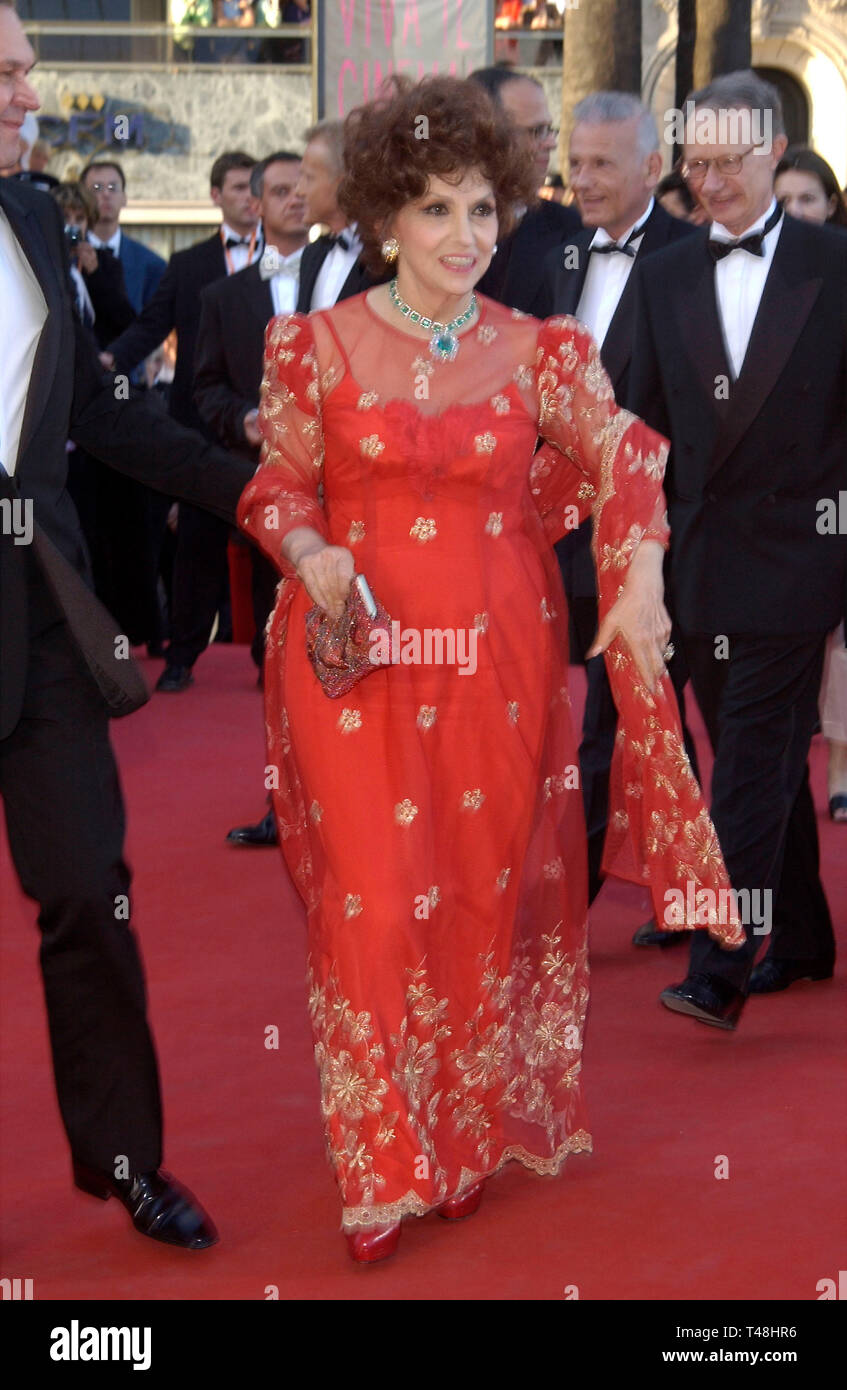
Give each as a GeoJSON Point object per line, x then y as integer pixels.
{"type": "Point", "coordinates": [429, 394]}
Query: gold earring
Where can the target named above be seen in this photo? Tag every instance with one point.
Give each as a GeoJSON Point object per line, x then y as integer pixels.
{"type": "Point", "coordinates": [390, 249]}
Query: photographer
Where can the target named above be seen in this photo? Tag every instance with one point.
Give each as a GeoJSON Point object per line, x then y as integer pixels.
{"type": "Point", "coordinates": [97, 274]}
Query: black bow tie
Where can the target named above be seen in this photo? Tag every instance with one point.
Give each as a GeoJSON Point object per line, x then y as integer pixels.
{"type": "Point", "coordinates": [338, 239]}
{"type": "Point", "coordinates": [754, 243]}
{"type": "Point", "coordinates": [236, 241]}
{"type": "Point", "coordinates": [610, 246]}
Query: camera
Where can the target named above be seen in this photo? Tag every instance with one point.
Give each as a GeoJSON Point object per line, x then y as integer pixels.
{"type": "Point", "coordinates": [73, 235]}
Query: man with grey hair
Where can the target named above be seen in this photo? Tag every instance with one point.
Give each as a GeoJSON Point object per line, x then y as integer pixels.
{"type": "Point", "coordinates": [330, 268]}
{"type": "Point", "coordinates": [614, 168]}
{"type": "Point", "coordinates": [741, 360]}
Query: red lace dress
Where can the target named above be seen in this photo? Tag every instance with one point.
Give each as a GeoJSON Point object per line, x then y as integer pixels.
{"type": "Point", "coordinates": [432, 819]}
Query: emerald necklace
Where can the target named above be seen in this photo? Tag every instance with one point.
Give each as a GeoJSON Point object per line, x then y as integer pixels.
{"type": "Point", "coordinates": [443, 345]}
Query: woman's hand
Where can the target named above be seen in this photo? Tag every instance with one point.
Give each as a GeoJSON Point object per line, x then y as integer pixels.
{"type": "Point", "coordinates": [326, 570]}
{"type": "Point", "coordinates": [640, 616]}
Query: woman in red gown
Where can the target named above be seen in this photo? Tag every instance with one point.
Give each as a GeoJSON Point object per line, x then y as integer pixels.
{"type": "Point", "coordinates": [432, 818]}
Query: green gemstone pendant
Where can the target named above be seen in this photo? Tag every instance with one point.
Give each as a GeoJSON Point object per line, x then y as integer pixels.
{"type": "Point", "coordinates": [443, 346]}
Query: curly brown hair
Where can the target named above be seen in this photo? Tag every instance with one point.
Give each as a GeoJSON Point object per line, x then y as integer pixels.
{"type": "Point", "coordinates": [441, 127]}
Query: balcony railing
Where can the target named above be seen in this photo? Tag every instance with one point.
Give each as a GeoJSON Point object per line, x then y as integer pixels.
{"type": "Point", "coordinates": [63, 45]}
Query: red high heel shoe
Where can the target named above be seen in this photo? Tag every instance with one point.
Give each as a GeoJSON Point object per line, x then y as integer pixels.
{"type": "Point", "coordinates": [366, 1247]}
{"type": "Point", "coordinates": [455, 1208]}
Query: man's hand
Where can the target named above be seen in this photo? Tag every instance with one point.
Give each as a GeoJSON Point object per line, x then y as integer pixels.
{"type": "Point", "coordinates": [252, 433]}
{"type": "Point", "coordinates": [640, 616]}
{"type": "Point", "coordinates": [86, 257]}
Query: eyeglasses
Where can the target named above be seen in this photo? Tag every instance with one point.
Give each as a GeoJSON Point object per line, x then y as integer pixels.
{"type": "Point", "coordinates": [105, 187]}
{"type": "Point", "coordinates": [540, 132]}
{"type": "Point", "coordinates": [725, 164]}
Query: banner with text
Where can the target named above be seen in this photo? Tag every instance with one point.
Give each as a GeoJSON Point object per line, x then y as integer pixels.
{"type": "Point", "coordinates": [361, 42]}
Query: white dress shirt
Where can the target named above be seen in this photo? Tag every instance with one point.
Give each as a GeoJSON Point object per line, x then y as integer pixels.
{"type": "Point", "coordinates": [739, 282]}
{"type": "Point", "coordinates": [237, 257]}
{"type": "Point", "coordinates": [23, 312]}
{"type": "Point", "coordinates": [336, 267]}
{"type": "Point", "coordinates": [606, 277]}
{"type": "Point", "coordinates": [286, 282]}
{"type": "Point", "coordinates": [113, 244]}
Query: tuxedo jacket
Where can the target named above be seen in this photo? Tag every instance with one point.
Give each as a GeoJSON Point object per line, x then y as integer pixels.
{"type": "Point", "coordinates": [113, 309]}
{"type": "Point", "coordinates": [176, 304]}
{"type": "Point", "coordinates": [515, 276]}
{"type": "Point", "coordinates": [314, 254]}
{"type": "Point", "coordinates": [750, 459]}
{"type": "Point", "coordinates": [229, 358]}
{"type": "Point", "coordinates": [143, 270]}
{"type": "Point", "coordinates": [561, 291]}
{"type": "Point", "coordinates": [69, 396]}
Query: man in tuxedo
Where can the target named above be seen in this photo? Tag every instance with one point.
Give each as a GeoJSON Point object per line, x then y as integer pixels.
{"type": "Point", "coordinates": [142, 268]}
{"type": "Point", "coordinates": [229, 358]}
{"type": "Point", "coordinates": [63, 670]}
{"type": "Point", "coordinates": [614, 164]}
{"type": "Point", "coordinates": [516, 274]}
{"type": "Point", "coordinates": [230, 361]}
{"type": "Point", "coordinates": [201, 575]}
{"type": "Point", "coordinates": [740, 358]}
{"type": "Point", "coordinates": [331, 268]}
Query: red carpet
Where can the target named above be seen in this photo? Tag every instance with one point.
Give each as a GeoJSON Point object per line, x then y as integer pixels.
{"type": "Point", "coordinates": [223, 940]}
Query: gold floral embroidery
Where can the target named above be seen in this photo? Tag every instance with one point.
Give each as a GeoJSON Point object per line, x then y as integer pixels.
{"type": "Point", "coordinates": [486, 334]}
{"type": "Point", "coordinates": [351, 1088]}
{"type": "Point", "coordinates": [485, 443]}
{"type": "Point", "coordinates": [367, 399]}
{"type": "Point", "coordinates": [424, 529]}
{"type": "Point", "coordinates": [586, 490]}
{"type": "Point", "coordinates": [405, 811]}
{"type": "Point", "coordinates": [523, 376]}
{"type": "Point", "coordinates": [554, 869]}
{"type": "Point", "coordinates": [660, 834]}
{"type": "Point", "coordinates": [427, 715]}
{"type": "Point", "coordinates": [349, 720]}
{"type": "Point", "coordinates": [316, 811]}
{"type": "Point", "coordinates": [547, 613]}
{"type": "Point", "coordinates": [500, 404]}
{"type": "Point", "coordinates": [501, 882]}
{"type": "Point", "coordinates": [472, 799]}
{"type": "Point", "coordinates": [513, 710]}
{"type": "Point", "coordinates": [480, 622]}
{"type": "Point", "coordinates": [356, 532]}
{"type": "Point", "coordinates": [352, 905]}
{"type": "Point", "coordinates": [372, 446]}
{"type": "Point", "coordinates": [494, 524]}
{"type": "Point", "coordinates": [422, 366]}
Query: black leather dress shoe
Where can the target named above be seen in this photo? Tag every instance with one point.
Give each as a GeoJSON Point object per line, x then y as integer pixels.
{"type": "Point", "coordinates": [255, 835]}
{"type": "Point", "coordinates": [707, 998]}
{"type": "Point", "coordinates": [649, 934]}
{"type": "Point", "coordinates": [770, 976]}
{"type": "Point", "coordinates": [160, 1206]}
{"type": "Point", "coordinates": [175, 678]}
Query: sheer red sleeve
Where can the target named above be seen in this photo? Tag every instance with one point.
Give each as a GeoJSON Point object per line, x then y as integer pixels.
{"type": "Point", "coordinates": [659, 830]}
{"type": "Point", "coordinates": [286, 489]}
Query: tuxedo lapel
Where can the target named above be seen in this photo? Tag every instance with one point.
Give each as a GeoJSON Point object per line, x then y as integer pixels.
{"type": "Point", "coordinates": [258, 297]}
{"type": "Point", "coordinates": [695, 309]}
{"type": "Point", "coordinates": [311, 261]}
{"type": "Point", "coordinates": [787, 300]}
{"type": "Point", "coordinates": [617, 344]}
{"type": "Point", "coordinates": [26, 227]}
{"type": "Point", "coordinates": [571, 272]}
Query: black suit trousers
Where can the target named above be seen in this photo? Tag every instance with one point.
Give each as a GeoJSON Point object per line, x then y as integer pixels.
{"type": "Point", "coordinates": [65, 823]}
{"type": "Point", "coordinates": [200, 582]}
{"type": "Point", "coordinates": [760, 707]}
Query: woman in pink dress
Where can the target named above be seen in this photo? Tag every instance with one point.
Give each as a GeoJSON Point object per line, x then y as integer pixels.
{"type": "Point", "coordinates": [432, 818]}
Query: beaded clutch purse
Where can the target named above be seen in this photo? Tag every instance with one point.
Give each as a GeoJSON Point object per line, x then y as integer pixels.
{"type": "Point", "coordinates": [340, 649]}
